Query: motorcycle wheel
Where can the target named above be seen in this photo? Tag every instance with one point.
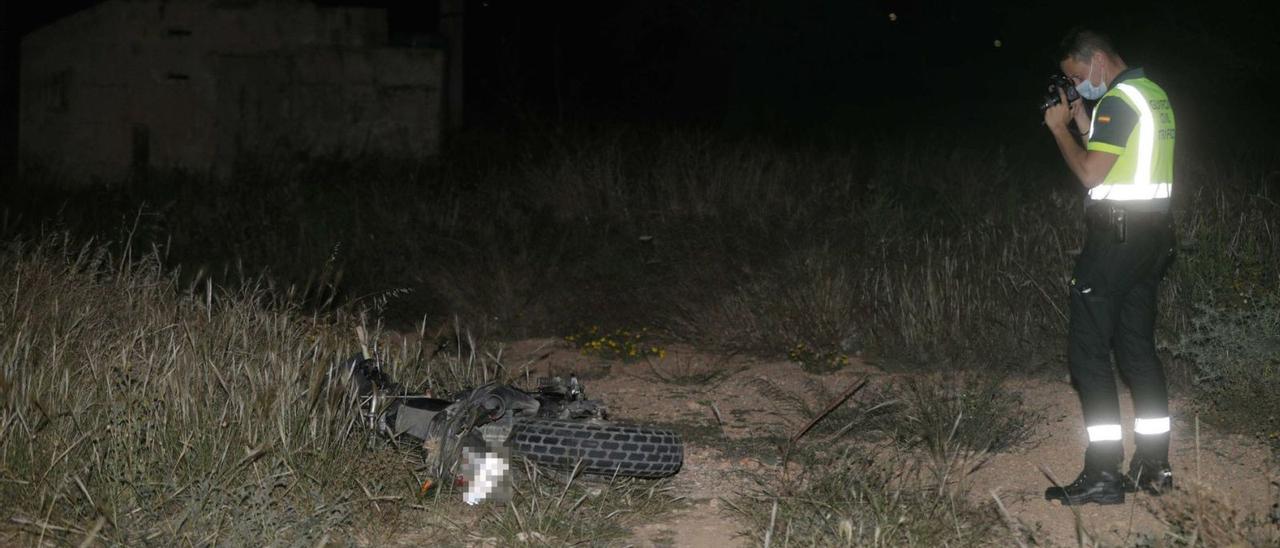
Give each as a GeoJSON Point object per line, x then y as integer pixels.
{"type": "Point", "coordinates": [601, 448]}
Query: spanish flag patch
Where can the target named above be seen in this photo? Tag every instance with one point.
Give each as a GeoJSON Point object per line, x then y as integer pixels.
{"type": "Point", "coordinates": [1104, 119]}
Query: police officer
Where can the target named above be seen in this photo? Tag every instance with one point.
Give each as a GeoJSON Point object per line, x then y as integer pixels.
{"type": "Point", "coordinates": [1126, 163]}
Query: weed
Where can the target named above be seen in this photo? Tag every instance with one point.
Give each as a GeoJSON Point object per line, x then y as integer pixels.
{"type": "Point", "coordinates": [964, 410]}
{"type": "Point", "coordinates": [127, 391]}
{"type": "Point", "coordinates": [860, 494]}
{"type": "Point", "coordinates": [1196, 515]}
{"type": "Point", "coordinates": [817, 361]}
{"type": "Point", "coordinates": [691, 371]}
{"type": "Point", "coordinates": [935, 412]}
{"type": "Point", "coordinates": [1235, 350]}
{"type": "Point", "coordinates": [858, 497]}
{"type": "Point", "coordinates": [924, 254]}
{"type": "Point", "coordinates": [139, 411]}
{"type": "Point", "coordinates": [619, 344]}
{"type": "Point", "coordinates": [551, 509]}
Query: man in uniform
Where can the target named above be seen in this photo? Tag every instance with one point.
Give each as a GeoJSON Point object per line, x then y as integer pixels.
{"type": "Point", "coordinates": [1126, 164]}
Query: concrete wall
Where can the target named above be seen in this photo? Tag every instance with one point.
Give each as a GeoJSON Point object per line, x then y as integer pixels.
{"type": "Point", "coordinates": [329, 100]}
{"type": "Point", "coordinates": [193, 83]}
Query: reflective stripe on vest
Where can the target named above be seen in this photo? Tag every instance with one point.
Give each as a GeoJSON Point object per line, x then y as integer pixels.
{"type": "Point", "coordinates": [1141, 188]}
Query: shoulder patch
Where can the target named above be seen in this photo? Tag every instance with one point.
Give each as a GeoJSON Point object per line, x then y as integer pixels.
{"type": "Point", "coordinates": [1104, 119]}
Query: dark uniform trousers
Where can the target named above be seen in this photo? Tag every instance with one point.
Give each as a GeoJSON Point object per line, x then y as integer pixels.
{"type": "Point", "coordinates": [1113, 308]}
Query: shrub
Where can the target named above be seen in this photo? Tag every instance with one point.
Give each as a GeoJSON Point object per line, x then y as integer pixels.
{"type": "Point", "coordinates": [808, 305]}
{"type": "Point", "coordinates": [966, 411]}
{"type": "Point", "coordinates": [1198, 516]}
{"type": "Point", "coordinates": [619, 344]}
{"type": "Point", "coordinates": [1235, 351]}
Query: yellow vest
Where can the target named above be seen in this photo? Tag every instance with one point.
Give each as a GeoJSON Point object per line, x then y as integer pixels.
{"type": "Point", "coordinates": [1144, 169]}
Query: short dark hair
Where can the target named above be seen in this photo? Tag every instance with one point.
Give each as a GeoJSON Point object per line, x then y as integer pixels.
{"type": "Point", "coordinates": [1080, 43]}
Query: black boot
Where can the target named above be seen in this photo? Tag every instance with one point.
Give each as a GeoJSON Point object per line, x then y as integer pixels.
{"type": "Point", "coordinates": [1154, 477]}
{"type": "Point", "coordinates": [1096, 486]}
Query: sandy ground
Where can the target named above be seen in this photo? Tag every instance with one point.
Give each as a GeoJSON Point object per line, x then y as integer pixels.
{"type": "Point", "coordinates": [1237, 468]}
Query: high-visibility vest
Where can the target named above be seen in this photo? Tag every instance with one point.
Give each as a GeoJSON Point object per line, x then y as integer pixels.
{"type": "Point", "coordinates": [1144, 170]}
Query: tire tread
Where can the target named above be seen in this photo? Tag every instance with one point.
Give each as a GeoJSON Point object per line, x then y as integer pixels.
{"type": "Point", "coordinates": [604, 449]}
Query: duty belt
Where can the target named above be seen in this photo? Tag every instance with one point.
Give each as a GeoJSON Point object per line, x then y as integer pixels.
{"type": "Point", "coordinates": [1118, 217]}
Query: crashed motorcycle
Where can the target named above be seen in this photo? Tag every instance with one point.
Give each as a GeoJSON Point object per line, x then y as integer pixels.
{"type": "Point", "coordinates": [477, 430]}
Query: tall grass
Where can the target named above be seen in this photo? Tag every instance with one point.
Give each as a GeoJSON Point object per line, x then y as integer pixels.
{"type": "Point", "coordinates": [859, 496]}
{"type": "Point", "coordinates": [920, 251]}
{"type": "Point", "coordinates": [558, 509]}
{"type": "Point", "coordinates": [1199, 515]}
{"type": "Point", "coordinates": [137, 410]}
{"type": "Point", "coordinates": [140, 410]}
{"type": "Point", "coordinates": [194, 407]}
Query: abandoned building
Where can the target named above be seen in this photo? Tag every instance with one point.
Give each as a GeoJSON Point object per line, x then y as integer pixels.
{"type": "Point", "coordinates": [128, 86]}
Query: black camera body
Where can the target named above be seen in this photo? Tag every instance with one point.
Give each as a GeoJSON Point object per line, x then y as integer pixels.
{"type": "Point", "coordinates": [1051, 97]}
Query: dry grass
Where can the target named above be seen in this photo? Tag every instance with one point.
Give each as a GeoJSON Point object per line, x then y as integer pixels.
{"type": "Point", "coordinates": [554, 509]}
{"type": "Point", "coordinates": [921, 252]}
{"type": "Point", "coordinates": [868, 497]}
{"type": "Point", "coordinates": [1197, 515]}
{"type": "Point", "coordinates": [195, 408]}
{"type": "Point", "coordinates": [973, 412]}
{"type": "Point", "coordinates": [884, 471]}
{"type": "Point", "coordinates": [139, 411]}
{"type": "Point", "coordinates": [171, 414]}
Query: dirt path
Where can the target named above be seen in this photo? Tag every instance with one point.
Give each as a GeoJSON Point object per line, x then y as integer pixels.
{"type": "Point", "coordinates": [1234, 467]}
{"type": "Point", "coordinates": [718, 452]}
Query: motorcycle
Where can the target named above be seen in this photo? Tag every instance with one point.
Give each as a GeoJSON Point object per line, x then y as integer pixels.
{"type": "Point", "coordinates": [554, 425]}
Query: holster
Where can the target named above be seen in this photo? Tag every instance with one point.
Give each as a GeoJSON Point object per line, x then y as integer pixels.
{"type": "Point", "coordinates": [1118, 219]}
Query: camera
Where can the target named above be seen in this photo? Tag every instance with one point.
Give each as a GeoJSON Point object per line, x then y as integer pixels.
{"type": "Point", "coordinates": [1051, 97]}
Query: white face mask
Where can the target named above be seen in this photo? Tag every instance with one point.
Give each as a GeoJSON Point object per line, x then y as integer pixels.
{"type": "Point", "coordinates": [1088, 89]}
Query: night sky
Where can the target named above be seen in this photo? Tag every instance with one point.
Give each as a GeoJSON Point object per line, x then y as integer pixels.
{"type": "Point", "coordinates": [831, 65]}
{"type": "Point", "coordinates": [856, 65]}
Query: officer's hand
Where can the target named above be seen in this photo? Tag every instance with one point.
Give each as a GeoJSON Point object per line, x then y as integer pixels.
{"type": "Point", "coordinates": [1057, 116]}
{"type": "Point", "coordinates": [1080, 116]}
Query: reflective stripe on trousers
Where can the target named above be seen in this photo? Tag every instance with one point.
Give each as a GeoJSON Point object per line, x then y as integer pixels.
{"type": "Point", "coordinates": [1141, 427]}
{"type": "Point", "coordinates": [1113, 310]}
